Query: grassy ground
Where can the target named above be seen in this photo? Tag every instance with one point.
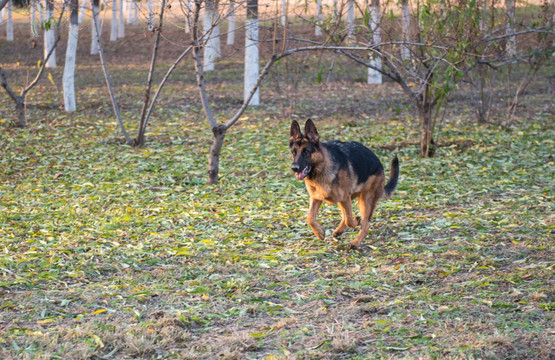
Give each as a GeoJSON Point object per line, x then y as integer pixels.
{"type": "Point", "coordinates": [117, 253]}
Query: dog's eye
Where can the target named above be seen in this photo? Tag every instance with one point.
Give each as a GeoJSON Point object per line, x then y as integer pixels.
{"type": "Point", "coordinates": [294, 152]}
{"type": "Point", "coordinates": [305, 151]}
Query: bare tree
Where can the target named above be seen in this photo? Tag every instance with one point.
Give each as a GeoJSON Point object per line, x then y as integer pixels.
{"type": "Point", "coordinates": [20, 99]}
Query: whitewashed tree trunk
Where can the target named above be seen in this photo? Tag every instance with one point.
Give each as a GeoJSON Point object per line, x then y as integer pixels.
{"type": "Point", "coordinates": [2, 14]}
{"type": "Point", "coordinates": [150, 15]}
{"type": "Point", "coordinates": [35, 25]}
{"type": "Point", "coordinates": [82, 11]}
{"type": "Point", "coordinates": [121, 20]}
{"type": "Point", "coordinates": [350, 18]}
{"type": "Point", "coordinates": [188, 14]}
{"type": "Point", "coordinates": [94, 35]}
{"type": "Point", "coordinates": [134, 12]}
{"type": "Point", "coordinates": [49, 37]}
{"type": "Point", "coordinates": [231, 24]}
{"type": "Point", "coordinates": [283, 12]}
{"type": "Point", "coordinates": [210, 50]}
{"type": "Point", "coordinates": [251, 52]}
{"type": "Point", "coordinates": [129, 11]}
{"type": "Point", "coordinates": [510, 15]}
{"type": "Point", "coordinates": [114, 31]}
{"type": "Point", "coordinates": [405, 24]}
{"type": "Point", "coordinates": [9, 22]}
{"type": "Point", "coordinates": [68, 79]}
{"type": "Point", "coordinates": [375, 77]}
{"type": "Point", "coordinates": [319, 18]}
{"type": "Point", "coordinates": [41, 13]}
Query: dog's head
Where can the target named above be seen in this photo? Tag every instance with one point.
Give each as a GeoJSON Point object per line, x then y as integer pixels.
{"type": "Point", "coordinates": [303, 148]}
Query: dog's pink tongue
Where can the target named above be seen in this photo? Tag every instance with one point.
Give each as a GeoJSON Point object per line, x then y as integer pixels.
{"type": "Point", "coordinates": [300, 175]}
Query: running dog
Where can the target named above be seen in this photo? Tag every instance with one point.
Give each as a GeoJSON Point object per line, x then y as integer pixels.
{"type": "Point", "coordinates": [338, 172]}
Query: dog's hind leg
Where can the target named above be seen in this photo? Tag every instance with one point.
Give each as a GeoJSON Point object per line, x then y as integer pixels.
{"type": "Point", "coordinates": [311, 218]}
{"type": "Point", "coordinates": [367, 204]}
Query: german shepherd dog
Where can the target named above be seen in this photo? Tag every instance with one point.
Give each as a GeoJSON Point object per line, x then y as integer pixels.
{"type": "Point", "coordinates": [338, 172]}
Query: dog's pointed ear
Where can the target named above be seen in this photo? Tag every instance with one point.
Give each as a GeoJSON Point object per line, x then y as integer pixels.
{"type": "Point", "coordinates": [296, 134]}
{"type": "Point", "coordinates": [311, 132]}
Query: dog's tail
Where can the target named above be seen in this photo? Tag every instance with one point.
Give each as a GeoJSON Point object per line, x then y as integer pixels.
{"type": "Point", "coordinates": [389, 188]}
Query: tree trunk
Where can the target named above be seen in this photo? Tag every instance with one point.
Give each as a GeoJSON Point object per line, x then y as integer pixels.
{"type": "Point", "coordinates": [2, 13]}
{"type": "Point", "coordinates": [426, 130]}
{"type": "Point", "coordinates": [350, 18]}
{"type": "Point", "coordinates": [215, 150]}
{"type": "Point", "coordinates": [510, 15]}
{"type": "Point", "coordinates": [251, 52]}
{"type": "Point", "coordinates": [114, 29]}
{"type": "Point", "coordinates": [374, 76]}
{"type": "Point", "coordinates": [94, 34]}
{"type": "Point", "coordinates": [405, 24]}
{"type": "Point", "coordinates": [82, 11]}
{"type": "Point", "coordinates": [33, 19]}
{"type": "Point", "coordinates": [150, 15]}
{"type": "Point", "coordinates": [231, 24]}
{"type": "Point", "coordinates": [41, 12]}
{"type": "Point", "coordinates": [71, 52]}
{"type": "Point", "coordinates": [129, 8]}
{"type": "Point", "coordinates": [121, 20]}
{"type": "Point", "coordinates": [318, 29]}
{"type": "Point", "coordinates": [20, 109]}
{"type": "Point", "coordinates": [483, 108]}
{"type": "Point", "coordinates": [283, 12]}
{"type": "Point", "coordinates": [49, 35]}
{"type": "Point", "coordinates": [210, 47]}
{"type": "Point", "coordinates": [135, 12]}
{"type": "Point", "coordinates": [9, 25]}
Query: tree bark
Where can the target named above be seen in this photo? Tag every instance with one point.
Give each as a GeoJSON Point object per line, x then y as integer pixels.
{"type": "Point", "coordinates": [405, 24]}
{"type": "Point", "coordinates": [350, 18]}
{"type": "Point", "coordinates": [426, 135]}
{"type": "Point", "coordinates": [49, 35]}
{"type": "Point", "coordinates": [82, 9]}
{"type": "Point", "coordinates": [510, 18]}
{"type": "Point", "coordinates": [209, 28]}
{"type": "Point", "coordinates": [231, 24]}
{"type": "Point", "coordinates": [215, 150]}
{"type": "Point", "coordinates": [375, 77]}
{"type": "Point", "coordinates": [9, 25]}
{"type": "Point", "coordinates": [94, 34]}
{"type": "Point", "coordinates": [284, 12]}
{"type": "Point", "coordinates": [121, 20]}
{"type": "Point", "coordinates": [114, 29]}
{"type": "Point", "coordinates": [251, 52]}
{"type": "Point", "coordinates": [71, 52]}
{"type": "Point", "coordinates": [318, 29]}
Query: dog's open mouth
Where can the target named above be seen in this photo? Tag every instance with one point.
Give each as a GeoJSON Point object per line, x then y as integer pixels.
{"type": "Point", "coordinates": [302, 174]}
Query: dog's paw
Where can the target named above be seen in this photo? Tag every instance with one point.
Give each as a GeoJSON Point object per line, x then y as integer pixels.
{"type": "Point", "coordinates": [320, 234]}
{"type": "Point", "coordinates": [353, 247]}
{"type": "Point", "coordinates": [337, 234]}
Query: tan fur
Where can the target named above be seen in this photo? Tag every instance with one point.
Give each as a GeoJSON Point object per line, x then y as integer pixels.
{"type": "Point", "coordinates": [322, 188]}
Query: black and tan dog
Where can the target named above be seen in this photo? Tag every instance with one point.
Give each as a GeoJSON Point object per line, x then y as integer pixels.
{"type": "Point", "coordinates": [338, 172]}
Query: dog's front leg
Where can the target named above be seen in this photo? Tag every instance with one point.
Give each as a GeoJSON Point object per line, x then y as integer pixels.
{"type": "Point", "coordinates": [311, 218]}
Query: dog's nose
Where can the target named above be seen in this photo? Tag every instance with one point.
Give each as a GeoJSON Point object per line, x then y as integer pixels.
{"type": "Point", "coordinates": [295, 168]}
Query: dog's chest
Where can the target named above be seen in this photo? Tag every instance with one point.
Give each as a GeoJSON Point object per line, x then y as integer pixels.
{"type": "Point", "coordinates": [324, 191]}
